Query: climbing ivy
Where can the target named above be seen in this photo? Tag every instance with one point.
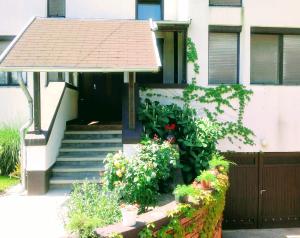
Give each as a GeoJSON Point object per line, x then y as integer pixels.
{"type": "Point", "coordinates": [212, 202]}
{"type": "Point", "coordinates": [198, 114]}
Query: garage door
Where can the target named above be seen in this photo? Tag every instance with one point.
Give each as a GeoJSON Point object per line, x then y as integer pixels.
{"type": "Point", "coordinates": [264, 191]}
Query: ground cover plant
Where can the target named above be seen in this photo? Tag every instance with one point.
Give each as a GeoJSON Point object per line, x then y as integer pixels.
{"type": "Point", "coordinates": [90, 207]}
{"type": "Point", "coordinates": [9, 149]}
{"type": "Point", "coordinates": [7, 182]}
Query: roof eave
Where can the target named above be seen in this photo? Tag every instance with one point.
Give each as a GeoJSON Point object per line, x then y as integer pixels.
{"type": "Point", "coordinates": [64, 69]}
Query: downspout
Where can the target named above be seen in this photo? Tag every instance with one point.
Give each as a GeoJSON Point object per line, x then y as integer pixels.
{"type": "Point", "coordinates": [24, 128]}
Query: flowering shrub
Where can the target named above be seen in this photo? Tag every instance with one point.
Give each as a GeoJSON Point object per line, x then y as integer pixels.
{"type": "Point", "coordinates": [136, 179]}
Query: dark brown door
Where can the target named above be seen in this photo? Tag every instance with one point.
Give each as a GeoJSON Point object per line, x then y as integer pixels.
{"type": "Point", "coordinates": [242, 198]}
{"type": "Point", "coordinates": [100, 97]}
{"type": "Point", "coordinates": [264, 191]}
{"type": "Point", "coordinates": [280, 190]}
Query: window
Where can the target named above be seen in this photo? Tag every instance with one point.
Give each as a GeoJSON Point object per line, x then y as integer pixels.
{"type": "Point", "coordinates": [8, 78]}
{"type": "Point", "coordinates": [147, 9]}
{"type": "Point", "coordinates": [11, 78]}
{"type": "Point", "coordinates": [56, 77]}
{"type": "Point", "coordinates": [223, 58]}
{"type": "Point", "coordinates": [275, 59]}
{"type": "Point", "coordinates": [264, 59]}
{"type": "Point", "coordinates": [232, 3]}
{"type": "Point", "coordinates": [56, 8]}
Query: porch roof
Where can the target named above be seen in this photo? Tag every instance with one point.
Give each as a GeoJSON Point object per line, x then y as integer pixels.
{"type": "Point", "coordinates": [83, 45]}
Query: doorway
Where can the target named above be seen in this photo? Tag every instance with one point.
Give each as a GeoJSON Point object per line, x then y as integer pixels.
{"type": "Point", "coordinates": [100, 98]}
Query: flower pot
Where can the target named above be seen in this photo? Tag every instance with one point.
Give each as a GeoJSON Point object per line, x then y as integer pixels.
{"type": "Point", "coordinates": [205, 185]}
{"type": "Point", "coordinates": [182, 199]}
{"type": "Point", "coordinates": [129, 215]}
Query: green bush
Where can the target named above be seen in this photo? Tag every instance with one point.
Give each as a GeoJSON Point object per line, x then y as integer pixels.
{"type": "Point", "coordinates": [198, 136]}
{"type": "Point", "coordinates": [90, 208]}
{"type": "Point", "coordinates": [9, 149]}
{"type": "Point", "coordinates": [136, 179]}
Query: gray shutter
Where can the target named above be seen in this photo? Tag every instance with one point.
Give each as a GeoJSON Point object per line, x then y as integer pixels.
{"type": "Point", "coordinates": [57, 8]}
{"type": "Point", "coordinates": [223, 58]}
{"type": "Point", "coordinates": [291, 59]}
{"type": "Point", "coordinates": [226, 2]}
{"type": "Point", "coordinates": [264, 59]}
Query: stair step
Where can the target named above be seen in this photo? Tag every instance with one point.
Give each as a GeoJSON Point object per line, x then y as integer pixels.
{"type": "Point", "coordinates": [92, 149]}
{"type": "Point", "coordinates": [91, 145]}
{"type": "Point", "coordinates": [94, 127]}
{"type": "Point", "coordinates": [92, 136]}
{"type": "Point", "coordinates": [109, 140]}
{"type": "Point", "coordinates": [80, 159]}
{"type": "Point", "coordinates": [77, 174]}
{"type": "Point", "coordinates": [77, 168]}
{"type": "Point", "coordinates": [110, 132]}
{"type": "Point", "coordinates": [70, 181]}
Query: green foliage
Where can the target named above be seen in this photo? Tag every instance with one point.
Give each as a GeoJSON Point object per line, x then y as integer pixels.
{"type": "Point", "coordinates": [220, 163]}
{"type": "Point", "coordinates": [7, 182]}
{"type": "Point", "coordinates": [187, 193]}
{"type": "Point", "coordinates": [9, 149]}
{"type": "Point", "coordinates": [136, 179]}
{"type": "Point", "coordinates": [90, 208]}
{"type": "Point", "coordinates": [206, 176]}
{"type": "Point", "coordinates": [192, 55]}
{"type": "Point", "coordinates": [212, 202]}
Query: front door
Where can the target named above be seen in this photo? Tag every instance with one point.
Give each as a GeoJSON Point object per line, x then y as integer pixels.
{"type": "Point", "coordinates": [100, 98]}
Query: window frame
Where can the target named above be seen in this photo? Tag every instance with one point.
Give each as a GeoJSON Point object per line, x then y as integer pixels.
{"type": "Point", "coordinates": [10, 81]}
{"type": "Point", "coordinates": [229, 30]}
{"type": "Point", "coordinates": [280, 32]}
{"type": "Point", "coordinates": [225, 5]}
{"type": "Point", "coordinates": [137, 11]}
{"type": "Point", "coordinates": [48, 10]}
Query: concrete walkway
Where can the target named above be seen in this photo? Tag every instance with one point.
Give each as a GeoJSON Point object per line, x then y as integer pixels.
{"type": "Point", "coordinates": [32, 216]}
{"type": "Point", "coordinates": [263, 233]}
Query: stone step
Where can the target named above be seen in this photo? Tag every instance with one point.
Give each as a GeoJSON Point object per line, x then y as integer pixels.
{"type": "Point", "coordinates": [104, 146]}
{"type": "Point", "coordinates": [80, 153]}
{"type": "Point", "coordinates": [77, 174]}
{"type": "Point", "coordinates": [95, 127]}
{"type": "Point", "coordinates": [80, 158]}
{"type": "Point", "coordinates": [89, 136]}
{"type": "Point", "coordinates": [92, 149]}
{"type": "Point", "coordinates": [68, 167]}
{"type": "Point", "coordinates": [91, 141]}
{"type": "Point", "coordinates": [82, 163]}
{"type": "Point", "coordinates": [70, 181]}
{"type": "Point", "coordinates": [110, 132]}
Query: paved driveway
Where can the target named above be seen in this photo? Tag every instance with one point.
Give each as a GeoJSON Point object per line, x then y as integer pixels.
{"type": "Point", "coordinates": [32, 216]}
{"type": "Point", "coordinates": [264, 233]}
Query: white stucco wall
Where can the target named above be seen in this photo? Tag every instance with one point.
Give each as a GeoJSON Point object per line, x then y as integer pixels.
{"type": "Point", "coordinates": [109, 9]}
{"type": "Point", "coordinates": [16, 13]}
{"type": "Point", "coordinates": [41, 158]}
{"type": "Point", "coordinates": [12, 106]}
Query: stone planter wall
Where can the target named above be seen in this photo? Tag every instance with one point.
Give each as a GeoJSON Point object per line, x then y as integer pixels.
{"type": "Point", "coordinates": [160, 218]}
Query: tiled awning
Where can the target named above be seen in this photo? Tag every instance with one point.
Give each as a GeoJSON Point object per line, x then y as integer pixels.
{"type": "Point", "coordinates": [83, 45]}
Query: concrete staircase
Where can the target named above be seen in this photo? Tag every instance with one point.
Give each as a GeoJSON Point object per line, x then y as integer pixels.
{"type": "Point", "coordinates": [81, 156]}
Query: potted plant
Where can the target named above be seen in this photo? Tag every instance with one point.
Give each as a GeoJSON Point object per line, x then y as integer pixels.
{"type": "Point", "coordinates": [220, 164]}
{"type": "Point", "coordinates": [186, 194]}
{"type": "Point", "coordinates": [206, 180]}
{"type": "Point", "coordinates": [170, 128]}
{"type": "Point", "coordinates": [129, 214]}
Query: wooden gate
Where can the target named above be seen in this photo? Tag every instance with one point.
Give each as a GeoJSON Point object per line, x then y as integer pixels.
{"type": "Point", "coordinates": [264, 191]}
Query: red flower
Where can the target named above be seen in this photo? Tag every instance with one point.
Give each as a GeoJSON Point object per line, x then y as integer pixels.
{"type": "Point", "coordinates": [155, 137]}
{"type": "Point", "coordinates": [170, 127]}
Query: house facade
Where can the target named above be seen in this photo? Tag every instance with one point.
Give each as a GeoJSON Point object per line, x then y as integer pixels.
{"type": "Point", "coordinates": [249, 42]}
